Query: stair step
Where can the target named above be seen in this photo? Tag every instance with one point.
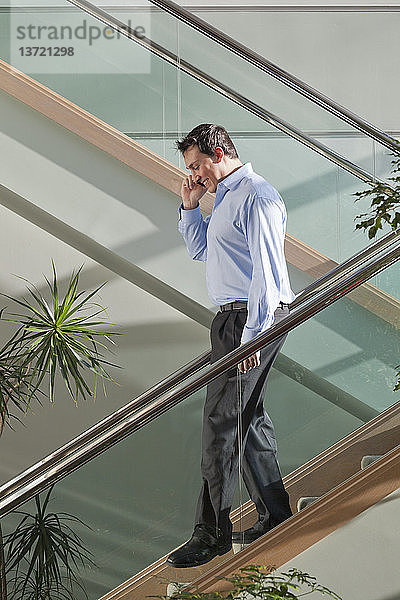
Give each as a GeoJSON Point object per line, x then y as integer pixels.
{"type": "Point", "coordinates": [175, 588]}
{"type": "Point", "coordinates": [368, 460]}
{"type": "Point", "coordinates": [301, 504]}
{"type": "Point", "coordinates": [365, 462]}
{"type": "Point", "coordinates": [238, 547]}
{"type": "Point", "coordinates": [306, 501]}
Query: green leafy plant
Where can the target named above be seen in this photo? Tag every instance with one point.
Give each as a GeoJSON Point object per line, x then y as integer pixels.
{"type": "Point", "coordinates": [261, 583]}
{"type": "Point", "coordinates": [60, 336]}
{"type": "Point", "coordinates": [44, 554]}
{"type": "Point", "coordinates": [385, 208]}
{"type": "Point", "coordinates": [397, 386]}
{"type": "Point", "coordinates": [385, 202]}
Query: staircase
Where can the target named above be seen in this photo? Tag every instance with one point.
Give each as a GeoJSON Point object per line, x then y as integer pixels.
{"type": "Point", "coordinates": [85, 191]}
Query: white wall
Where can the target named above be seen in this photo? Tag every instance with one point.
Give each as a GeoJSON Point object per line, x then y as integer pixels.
{"type": "Point", "coordinates": [94, 193]}
{"type": "Point", "coordinates": [359, 561]}
{"type": "Point", "coordinates": [128, 495]}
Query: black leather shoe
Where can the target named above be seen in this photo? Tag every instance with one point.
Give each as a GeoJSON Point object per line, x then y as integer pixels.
{"type": "Point", "coordinates": [199, 550]}
{"type": "Point", "coordinates": [261, 527]}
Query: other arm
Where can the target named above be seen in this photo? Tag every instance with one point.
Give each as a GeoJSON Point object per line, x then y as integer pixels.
{"type": "Point", "coordinates": [264, 229]}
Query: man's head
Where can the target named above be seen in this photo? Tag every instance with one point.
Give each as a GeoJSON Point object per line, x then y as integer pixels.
{"type": "Point", "coordinates": [209, 154]}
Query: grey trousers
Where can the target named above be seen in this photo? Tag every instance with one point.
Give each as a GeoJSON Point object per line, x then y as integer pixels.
{"type": "Point", "coordinates": [220, 446]}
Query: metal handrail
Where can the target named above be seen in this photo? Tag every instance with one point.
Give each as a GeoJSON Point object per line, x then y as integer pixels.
{"type": "Point", "coordinates": [185, 372]}
{"type": "Point", "coordinates": [225, 90]}
{"type": "Point", "coordinates": [216, 35]}
{"type": "Point", "coordinates": [178, 376]}
{"type": "Point", "coordinates": [167, 400]}
{"type": "Point", "coordinates": [107, 423]}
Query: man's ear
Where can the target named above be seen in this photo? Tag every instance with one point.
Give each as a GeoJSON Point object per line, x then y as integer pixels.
{"type": "Point", "coordinates": [218, 154]}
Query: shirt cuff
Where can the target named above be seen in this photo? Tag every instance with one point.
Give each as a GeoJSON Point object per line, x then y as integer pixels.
{"type": "Point", "coordinates": [249, 334]}
{"type": "Point", "coordinates": [189, 215]}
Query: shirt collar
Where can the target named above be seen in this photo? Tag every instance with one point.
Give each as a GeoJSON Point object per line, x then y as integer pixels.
{"type": "Point", "coordinates": [234, 178]}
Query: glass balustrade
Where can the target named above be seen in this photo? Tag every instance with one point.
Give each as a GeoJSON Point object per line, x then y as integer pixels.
{"type": "Point", "coordinates": [342, 53]}
{"type": "Point", "coordinates": [336, 369]}
{"type": "Point", "coordinates": [335, 372]}
{"type": "Point", "coordinates": [155, 340]}
{"type": "Point", "coordinates": [152, 101]}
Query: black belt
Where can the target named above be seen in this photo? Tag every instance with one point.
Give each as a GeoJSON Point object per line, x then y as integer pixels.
{"type": "Point", "coordinates": [238, 305]}
{"type": "Point", "coordinates": [242, 305]}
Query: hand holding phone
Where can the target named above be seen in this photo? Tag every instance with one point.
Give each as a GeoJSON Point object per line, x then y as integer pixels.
{"type": "Point", "coordinates": [191, 192]}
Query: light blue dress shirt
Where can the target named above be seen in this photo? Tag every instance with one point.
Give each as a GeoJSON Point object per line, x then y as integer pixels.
{"type": "Point", "coordinates": [242, 242]}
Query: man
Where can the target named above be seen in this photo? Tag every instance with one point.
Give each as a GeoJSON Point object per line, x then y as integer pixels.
{"type": "Point", "coordinates": [243, 244]}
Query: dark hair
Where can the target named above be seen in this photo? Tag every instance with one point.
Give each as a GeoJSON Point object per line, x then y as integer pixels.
{"type": "Point", "coordinates": [208, 137]}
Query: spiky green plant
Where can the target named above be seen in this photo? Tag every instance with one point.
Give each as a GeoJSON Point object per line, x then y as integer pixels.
{"type": "Point", "coordinates": [57, 336]}
{"type": "Point", "coordinates": [14, 382]}
{"type": "Point", "coordinates": [3, 581]}
{"type": "Point", "coordinates": [260, 583]}
{"type": "Point", "coordinates": [44, 555]}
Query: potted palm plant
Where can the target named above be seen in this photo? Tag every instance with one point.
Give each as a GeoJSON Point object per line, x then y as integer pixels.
{"type": "Point", "coordinates": [59, 335]}
{"type": "Point", "coordinates": [44, 555]}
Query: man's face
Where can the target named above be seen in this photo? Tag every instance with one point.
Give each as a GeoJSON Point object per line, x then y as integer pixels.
{"type": "Point", "coordinates": [205, 169]}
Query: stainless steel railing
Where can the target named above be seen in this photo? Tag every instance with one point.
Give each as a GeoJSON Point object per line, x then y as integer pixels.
{"type": "Point", "coordinates": [131, 418]}
{"type": "Point", "coordinates": [186, 371]}
{"type": "Point", "coordinates": [275, 71]}
{"type": "Point", "coordinates": [36, 474]}
{"type": "Point", "coordinates": [183, 373]}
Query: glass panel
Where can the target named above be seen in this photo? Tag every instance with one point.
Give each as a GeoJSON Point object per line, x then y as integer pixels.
{"type": "Point", "coordinates": [105, 73]}
{"type": "Point", "coordinates": [348, 55]}
{"type": "Point", "coordinates": [150, 100]}
{"type": "Point", "coordinates": [144, 508]}
{"type": "Point", "coordinates": [259, 87]}
{"type": "Point", "coordinates": [155, 340]}
{"type": "Point", "coordinates": [389, 282]}
{"type": "Point", "coordinates": [346, 357]}
{"type": "Point", "coordinates": [139, 497]}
